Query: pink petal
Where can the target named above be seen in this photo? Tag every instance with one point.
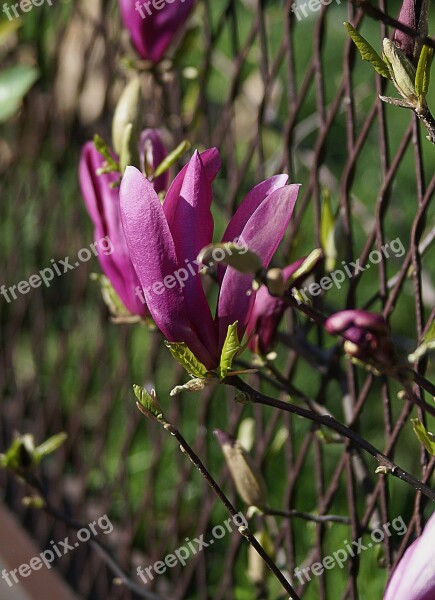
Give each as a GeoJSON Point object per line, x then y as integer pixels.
{"type": "Point", "coordinates": [153, 254]}
{"type": "Point", "coordinates": [262, 233]}
{"type": "Point", "coordinates": [102, 203]}
{"type": "Point", "coordinates": [414, 576]}
{"type": "Point", "coordinates": [154, 30]}
{"type": "Point", "coordinates": [153, 150]}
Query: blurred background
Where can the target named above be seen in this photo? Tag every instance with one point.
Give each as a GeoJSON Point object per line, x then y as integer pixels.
{"type": "Point", "coordinates": [274, 94]}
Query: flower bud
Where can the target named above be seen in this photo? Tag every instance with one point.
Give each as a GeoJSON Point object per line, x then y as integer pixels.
{"type": "Point", "coordinates": [151, 29]}
{"type": "Point", "coordinates": [247, 479]}
{"type": "Point", "coordinates": [413, 13]}
{"type": "Point", "coordinates": [367, 335]}
{"type": "Point", "coordinates": [128, 110]}
{"type": "Point", "coordinates": [402, 72]}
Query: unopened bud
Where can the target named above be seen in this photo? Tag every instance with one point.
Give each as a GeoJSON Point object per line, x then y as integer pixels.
{"type": "Point", "coordinates": [247, 478]}
{"type": "Point", "coordinates": [128, 110]}
{"type": "Point", "coordinates": [402, 71]}
{"type": "Point", "coordinates": [275, 282]}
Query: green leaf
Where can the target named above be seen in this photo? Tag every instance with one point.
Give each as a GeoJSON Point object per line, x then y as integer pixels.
{"type": "Point", "coordinates": [422, 77]}
{"type": "Point", "coordinates": [49, 446]}
{"type": "Point", "coordinates": [428, 344]}
{"type": "Point", "coordinates": [148, 402]}
{"type": "Point", "coordinates": [171, 159]}
{"type": "Point", "coordinates": [111, 298]}
{"type": "Point", "coordinates": [426, 438]}
{"type": "Point", "coordinates": [230, 348]}
{"type": "Point", "coordinates": [185, 357]}
{"type": "Point", "coordinates": [367, 51]}
{"type": "Point", "coordinates": [15, 82]}
{"type": "Point", "coordinates": [102, 147]}
{"type": "Point", "coordinates": [327, 227]}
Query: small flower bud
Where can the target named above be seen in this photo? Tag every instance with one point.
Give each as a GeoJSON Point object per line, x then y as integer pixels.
{"type": "Point", "coordinates": [275, 282]}
{"type": "Point", "coordinates": [402, 72]}
{"type": "Point", "coordinates": [128, 110]}
{"type": "Point", "coordinates": [247, 479]}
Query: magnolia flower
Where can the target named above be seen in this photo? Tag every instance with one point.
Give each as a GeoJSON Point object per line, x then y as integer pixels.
{"type": "Point", "coordinates": [412, 14]}
{"type": "Point", "coordinates": [414, 576]}
{"type": "Point", "coordinates": [367, 334]}
{"type": "Point", "coordinates": [151, 29]}
{"type": "Point", "coordinates": [102, 203]}
{"type": "Point", "coordinates": [165, 240]}
{"type": "Point", "coordinates": [267, 314]}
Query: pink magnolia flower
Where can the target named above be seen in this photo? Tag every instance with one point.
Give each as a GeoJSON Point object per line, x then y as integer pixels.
{"type": "Point", "coordinates": [165, 240]}
{"type": "Point", "coordinates": [102, 203]}
{"type": "Point", "coordinates": [152, 29]}
{"type": "Point", "coordinates": [414, 576]}
{"type": "Point", "coordinates": [266, 315]}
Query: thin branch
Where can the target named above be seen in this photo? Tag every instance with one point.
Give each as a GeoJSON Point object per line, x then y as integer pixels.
{"type": "Point", "coordinates": [384, 462]}
{"type": "Point", "coordinates": [307, 516]}
{"type": "Point", "coordinates": [375, 13]}
{"type": "Point", "coordinates": [243, 530]}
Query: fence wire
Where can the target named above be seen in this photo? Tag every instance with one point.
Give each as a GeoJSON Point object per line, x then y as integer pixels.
{"type": "Point", "coordinates": [273, 94]}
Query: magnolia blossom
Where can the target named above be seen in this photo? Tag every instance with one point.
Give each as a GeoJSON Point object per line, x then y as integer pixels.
{"type": "Point", "coordinates": [409, 15]}
{"type": "Point", "coordinates": [367, 334]}
{"type": "Point", "coordinates": [267, 314]}
{"type": "Point", "coordinates": [153, 29]}
{"type": "Point", "coordinates": [414, 576]}
{"type": "Point", "coordinates": [102, 203]}
{"type": "Point", "coordinates": [164, 239]}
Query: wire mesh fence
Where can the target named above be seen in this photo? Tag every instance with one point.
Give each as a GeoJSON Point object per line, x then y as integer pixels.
{"type": "Point", "coordinates": [275, 91]}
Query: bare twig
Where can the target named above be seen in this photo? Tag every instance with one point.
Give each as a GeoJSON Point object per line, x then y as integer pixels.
{"type": "Point", "coordinates": [387, 466]}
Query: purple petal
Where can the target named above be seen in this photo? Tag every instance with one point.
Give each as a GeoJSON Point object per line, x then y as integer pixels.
{"type": "Point", "coordinates": [211, 162]}
{"type": "Point", "coordinates": [153, 254]}
{"type": "Point", "coordinates": [266, 315]}
{"type": "Point", "coordinates": [102, 203]}
{"type": "Point", "coordinates": [409, 15]}
{"type": "Point", "coordinates": [251, 202]}
{"type": "Point", "coordinates": [152, 30]}
{"type": "Point", "coordinates": [414, 577]}
{"type": "Point", "coordinates": [152, 151]}
{"type": "Point", "coordinates": [344, 319]}
{"type": "Point", "coordinates": [262, 233]}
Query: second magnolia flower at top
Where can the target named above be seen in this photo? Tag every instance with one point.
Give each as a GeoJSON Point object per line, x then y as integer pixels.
{"type": "Point", "coordinates": [162, 238]}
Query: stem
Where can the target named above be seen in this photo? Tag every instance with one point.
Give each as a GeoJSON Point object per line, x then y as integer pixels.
{"type": "Point", "coordinates": [327, 421]}
{"type": "Point", "coordinates": [243, 530]}
{"type": "Point", "coordinates": [307, 516]}
{"type": "Point", "coordinates": [429, 122]}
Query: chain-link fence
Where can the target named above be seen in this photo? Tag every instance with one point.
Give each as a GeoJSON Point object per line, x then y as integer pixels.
{"type": "Point", "coordinates": [275, 91]}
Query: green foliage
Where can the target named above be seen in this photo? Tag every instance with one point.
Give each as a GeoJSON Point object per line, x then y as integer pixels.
{"type": "Point", "coordinates": [229, 350]}
{"type": "Point", "coordinates": [425, 437]}
{"type": "Point", "coordinates": [185, 357]}
{"type": "Point", "coordinates": [422, 77]}
{"type": "Point", "coordinates": [367, 51]}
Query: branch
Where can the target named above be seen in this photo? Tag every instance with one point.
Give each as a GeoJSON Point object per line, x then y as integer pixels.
{"type": "Point", "coordinates": [375, 13]}
{"type": "Point", "coordinates": [384, 462]}
{"type": "Point", "coordinates": [243, 530]}
{"type": "Point", "coordinates": [307, 516]}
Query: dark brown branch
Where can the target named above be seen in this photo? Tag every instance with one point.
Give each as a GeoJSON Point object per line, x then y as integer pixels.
{"type": "Point", "coordinates": [384, 462]}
